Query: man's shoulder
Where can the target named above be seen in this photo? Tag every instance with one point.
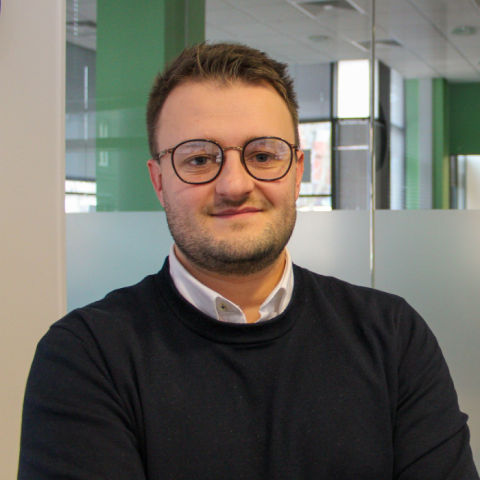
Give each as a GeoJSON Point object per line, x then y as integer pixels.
{"type": "Point", "coordinates": [341, 301]}
{"type": "Point", "coordinates": [336, 289]}
{"type": "Point", "coordinates": [120, 313]}
{"type": "Point", "coordinates": [129, 299]}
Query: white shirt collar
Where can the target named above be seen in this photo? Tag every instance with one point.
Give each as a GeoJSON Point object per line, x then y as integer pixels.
{"type": "Point", "coordinates": [216, 306]}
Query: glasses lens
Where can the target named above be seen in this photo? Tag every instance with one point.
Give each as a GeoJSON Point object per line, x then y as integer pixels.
{"type": "Point", "coordinates": [267, 158]}
{"type": "Point", "coordinates": [197, 161]}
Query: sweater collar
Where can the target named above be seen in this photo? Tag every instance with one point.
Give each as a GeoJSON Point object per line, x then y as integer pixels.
{"type": "Point", "coordinates": [217, 306]}
{"type": "Point", "coordinates": [225, 332]}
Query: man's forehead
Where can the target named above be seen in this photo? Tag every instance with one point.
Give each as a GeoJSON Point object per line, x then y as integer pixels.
{"type": "Point", "coordinates": [218, 100]}
{"type": "Point", "coordinates": [213, 87]}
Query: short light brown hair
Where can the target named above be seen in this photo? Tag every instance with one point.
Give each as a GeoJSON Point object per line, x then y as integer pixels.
{"type": "Point", "coordinates": [225, 64]}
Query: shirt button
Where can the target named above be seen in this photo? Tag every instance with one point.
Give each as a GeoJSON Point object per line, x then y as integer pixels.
{"type": "Point", "coordinates": [223, 307]}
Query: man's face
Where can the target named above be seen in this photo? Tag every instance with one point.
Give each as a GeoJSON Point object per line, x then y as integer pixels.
{"type": "Point", "coordinates": [235, 225]}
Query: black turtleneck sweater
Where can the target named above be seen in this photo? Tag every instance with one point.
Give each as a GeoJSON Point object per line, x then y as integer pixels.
{"type": "Point", "coordinates": [347, 384]}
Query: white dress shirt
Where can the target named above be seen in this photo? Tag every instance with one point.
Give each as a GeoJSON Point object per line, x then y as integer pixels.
{"type": "Point", "coordinates": [216, 306]}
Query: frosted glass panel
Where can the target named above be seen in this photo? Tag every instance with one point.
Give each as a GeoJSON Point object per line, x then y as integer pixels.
{"type": "Point", "coordinates": [333, 243]}
{"type": "Point", "coordinates": [112, 250]}
{"type": "Point", "coordinates": [432, 259]}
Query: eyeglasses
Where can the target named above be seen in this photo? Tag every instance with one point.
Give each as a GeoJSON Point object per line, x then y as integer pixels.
{"type": "Point", "coordinates": [201, 161]}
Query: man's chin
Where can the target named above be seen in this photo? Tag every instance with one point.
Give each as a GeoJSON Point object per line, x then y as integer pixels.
{"type": "Point", "coordinates": [236, 258]}
{"type": "Point", "coordinates": [223, 228]}
{"type": "Point", "coordinates": [236, 235]}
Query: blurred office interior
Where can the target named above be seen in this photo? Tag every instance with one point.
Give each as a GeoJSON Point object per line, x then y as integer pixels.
{"type": "Point", "coordinates": [389, 94]}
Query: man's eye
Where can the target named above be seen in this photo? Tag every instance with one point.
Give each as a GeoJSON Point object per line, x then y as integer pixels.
{"type": "Point", "coordinates": [199, 161]}
{"type": "Point", "coordinates": [202, 160]}
{"type": "Point", "coordinates": [261, 157]}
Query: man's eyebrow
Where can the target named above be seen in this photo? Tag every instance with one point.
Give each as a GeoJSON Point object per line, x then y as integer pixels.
{"type": "Point", "coordinates": [247, 139]}
{"type": "Point", "coordinates": [253, 137]}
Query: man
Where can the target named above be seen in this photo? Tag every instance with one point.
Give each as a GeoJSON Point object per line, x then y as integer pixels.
{"type": "Point", "coordinates": [232, 363]}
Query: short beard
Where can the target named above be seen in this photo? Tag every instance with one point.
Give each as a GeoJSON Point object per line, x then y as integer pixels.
{"type": "Point", "coordinates": [230, 258]}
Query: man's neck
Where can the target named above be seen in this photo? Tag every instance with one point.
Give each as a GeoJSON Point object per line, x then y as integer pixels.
{"type": "Point", "coordinates": [248, 292]}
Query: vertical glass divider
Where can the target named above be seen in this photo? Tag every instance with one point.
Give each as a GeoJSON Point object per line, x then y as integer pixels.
{"type": "Point", "coordinates": [372, 159]}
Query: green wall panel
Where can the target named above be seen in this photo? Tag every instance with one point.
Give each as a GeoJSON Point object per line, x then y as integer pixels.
{"type": "Point", "coordinates": [134, 41]}
{"type": "Point", "coordinates": [440, 143]}
{"type": "Point", "coordinates": [464, 104]}
{"type": "Point", "coordinates": [441, 147]}
{"type": "Point", "coordinates": [412, 151]}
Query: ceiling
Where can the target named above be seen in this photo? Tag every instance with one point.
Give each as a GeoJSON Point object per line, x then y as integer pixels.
{"type": "Point", "coordinates": [413, 36]}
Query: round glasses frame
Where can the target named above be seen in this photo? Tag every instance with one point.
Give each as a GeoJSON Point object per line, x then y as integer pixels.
{"type": "Point", "coordinates": [293, 148]}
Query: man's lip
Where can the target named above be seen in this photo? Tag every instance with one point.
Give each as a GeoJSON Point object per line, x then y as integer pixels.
{"type": "Point", "coordinates": [235, 211]}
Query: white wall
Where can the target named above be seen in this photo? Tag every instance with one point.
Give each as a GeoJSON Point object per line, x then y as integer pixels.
{"type": "Point", "coordinates": [32, 251]}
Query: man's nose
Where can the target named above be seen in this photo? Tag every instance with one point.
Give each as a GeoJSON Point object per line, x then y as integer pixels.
{"type": "Point", "coordinates": [234, 181]}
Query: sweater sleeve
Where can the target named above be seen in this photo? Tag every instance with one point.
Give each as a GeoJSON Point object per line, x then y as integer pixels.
{"type": "Point", "coordinates": [431, 436]}
{"type": "Point", "coordinates": [75, 424]}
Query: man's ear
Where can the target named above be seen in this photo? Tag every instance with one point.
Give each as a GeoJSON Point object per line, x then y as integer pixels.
{"type": "Point", "coordinates": [298, 172]}
{"type": "Point", "coordinates": [156, 178]}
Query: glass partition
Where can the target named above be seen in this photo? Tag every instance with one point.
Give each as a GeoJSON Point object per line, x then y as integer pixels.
{"type": "Point", "coordinates": [326, 45]}
{"type": "Point", "coordinates": [114, 50]}
{"type": "Point", "coordinates": [432, 259]}
{"type": "Point", "coordinates": [80, 115]}
{"type": "Point", "coordinates": [429, 145]}
{"type": "Point", "coordinates": [426, 94]}
{"type": "Point", "coordinates": [389, 120]}
{"type": "Point", "coordinates": [431, 47]}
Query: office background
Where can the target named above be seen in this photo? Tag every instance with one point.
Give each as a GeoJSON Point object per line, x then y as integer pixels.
{"type": "Point", "coordinates": [73, 83]}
